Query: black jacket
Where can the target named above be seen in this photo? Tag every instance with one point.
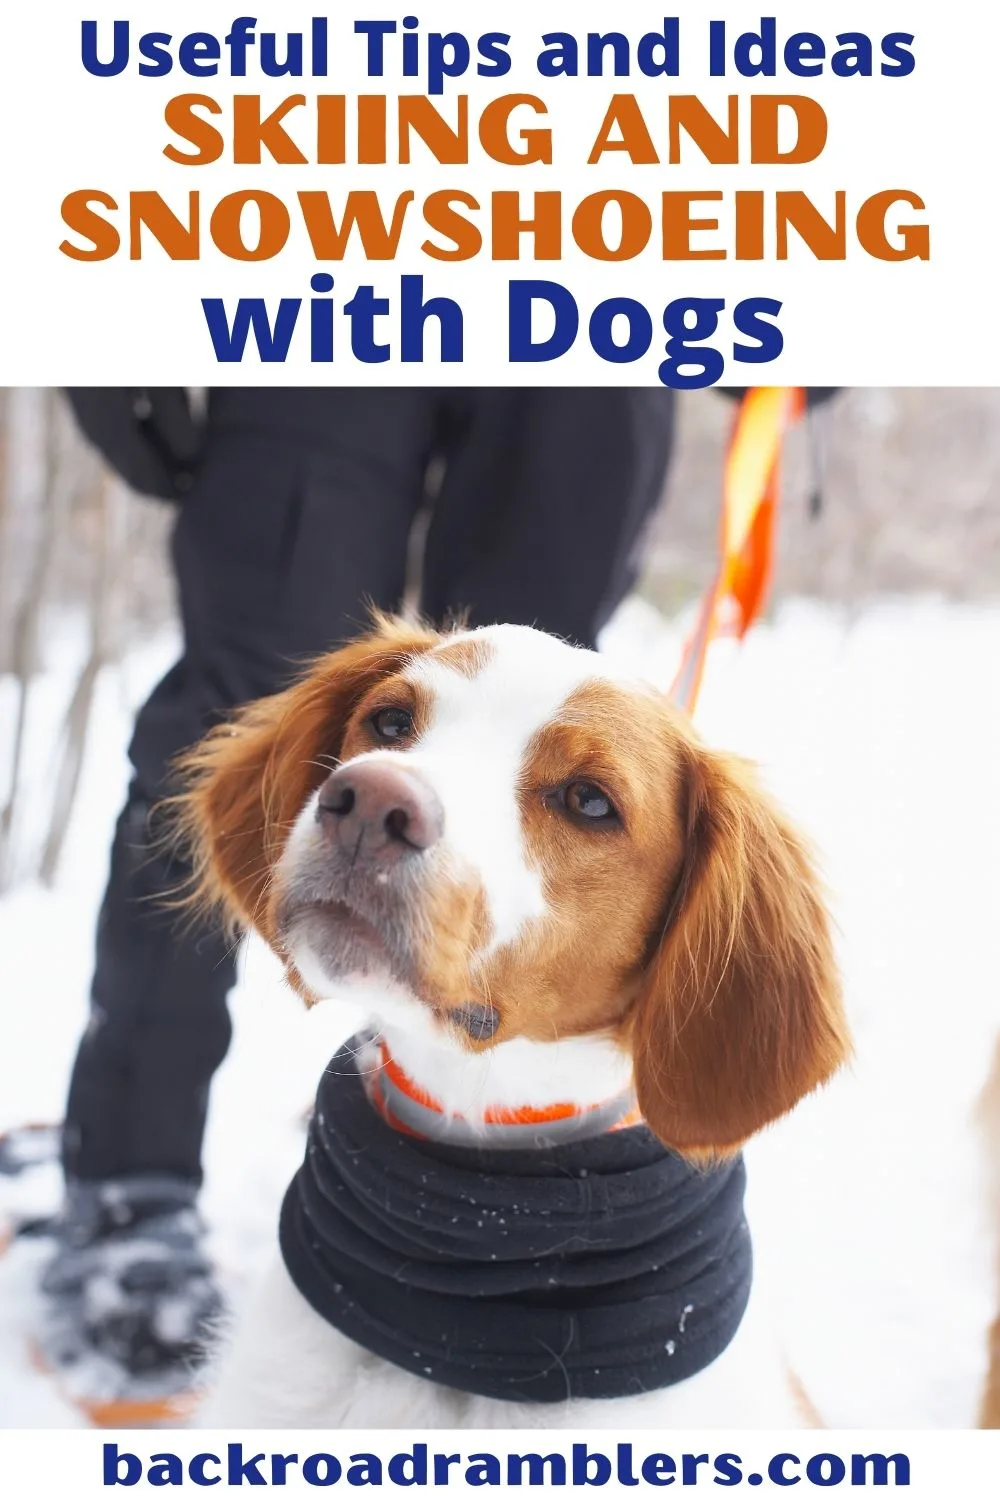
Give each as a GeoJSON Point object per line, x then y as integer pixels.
{"type": "Point", "coordinates": [149, 436]}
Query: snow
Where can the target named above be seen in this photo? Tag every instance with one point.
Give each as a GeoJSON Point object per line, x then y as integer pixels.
{"type": "Point", "coordinates": [880, 731]}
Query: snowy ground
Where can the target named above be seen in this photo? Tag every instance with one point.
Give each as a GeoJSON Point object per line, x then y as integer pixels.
{"type": "Point", "coordinates": [883, 735]}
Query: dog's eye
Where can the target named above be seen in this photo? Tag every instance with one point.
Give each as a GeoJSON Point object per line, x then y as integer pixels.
{"type": "Point", "coordinates": [392, 724]}
{"type": "Point", "coordinates": [588, 803]}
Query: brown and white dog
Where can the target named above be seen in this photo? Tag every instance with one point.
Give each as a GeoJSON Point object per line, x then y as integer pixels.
{"type": "Point", "coordinates": [547, 889]}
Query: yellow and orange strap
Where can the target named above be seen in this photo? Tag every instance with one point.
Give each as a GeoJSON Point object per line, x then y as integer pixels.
{"type": "Point", "coordinates": [738, 592]}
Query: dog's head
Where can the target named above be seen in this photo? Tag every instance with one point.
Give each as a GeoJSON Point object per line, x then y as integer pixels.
{"type": "Point", "coordinates": [519, 843]}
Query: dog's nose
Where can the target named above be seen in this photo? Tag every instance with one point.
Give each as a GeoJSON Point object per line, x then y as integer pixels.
{"type": "Point", "coordinates": [383, 809]}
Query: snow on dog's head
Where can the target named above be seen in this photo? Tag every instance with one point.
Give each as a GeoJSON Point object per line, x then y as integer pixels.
{"type": "Point", "coordinates": [516, 842]}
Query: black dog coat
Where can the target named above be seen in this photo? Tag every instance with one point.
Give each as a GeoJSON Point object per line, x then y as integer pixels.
{"type": "Point", "coordinates": [599, 1268]}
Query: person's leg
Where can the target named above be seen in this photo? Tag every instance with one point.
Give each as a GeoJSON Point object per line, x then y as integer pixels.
{"type": "Point", "coordinates": [159, 1025]}
{"type": "Point", "coordinates": [291, 528]}
{"type": "Point", "coordinates": [544, 505]}
{"type": "Point", "coordinates": [294, 523]}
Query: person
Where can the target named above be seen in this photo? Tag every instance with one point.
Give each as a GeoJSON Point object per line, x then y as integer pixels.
{"type": "Point", "coordinates": [295, 508]}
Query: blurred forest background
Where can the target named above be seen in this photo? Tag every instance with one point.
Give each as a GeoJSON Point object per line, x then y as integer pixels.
{"type": "Point", "coordinates": [910, 505]}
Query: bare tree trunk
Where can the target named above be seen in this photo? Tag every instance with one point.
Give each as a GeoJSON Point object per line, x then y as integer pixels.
{"type": "Point", "coordinates": [76, 723]}
{"type": "Point", "coordinates": [6, 544]}
{"type": "Point", "coordinates": [4, 467]}
{"type": "Point", "coordinates": [56, 485]}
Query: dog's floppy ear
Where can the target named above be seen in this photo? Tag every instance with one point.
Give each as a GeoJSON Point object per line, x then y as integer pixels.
{"type": "Point", "coordinates": [740, 1012]}
{"type": "Point", "coordinates": [248, 780]}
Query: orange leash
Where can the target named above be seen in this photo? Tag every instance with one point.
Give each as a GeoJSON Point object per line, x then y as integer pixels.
{"type": "Point", "coordinates": [750, 493]}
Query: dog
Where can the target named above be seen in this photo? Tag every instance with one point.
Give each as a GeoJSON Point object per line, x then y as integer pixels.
{"type": "Point", "coordinates": [577, 930]}
{"type": "Point", "coordinates": [988, 1122]}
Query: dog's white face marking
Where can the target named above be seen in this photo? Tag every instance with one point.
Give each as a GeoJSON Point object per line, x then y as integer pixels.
{"type": "Point", "coordinates": [473, 752]}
